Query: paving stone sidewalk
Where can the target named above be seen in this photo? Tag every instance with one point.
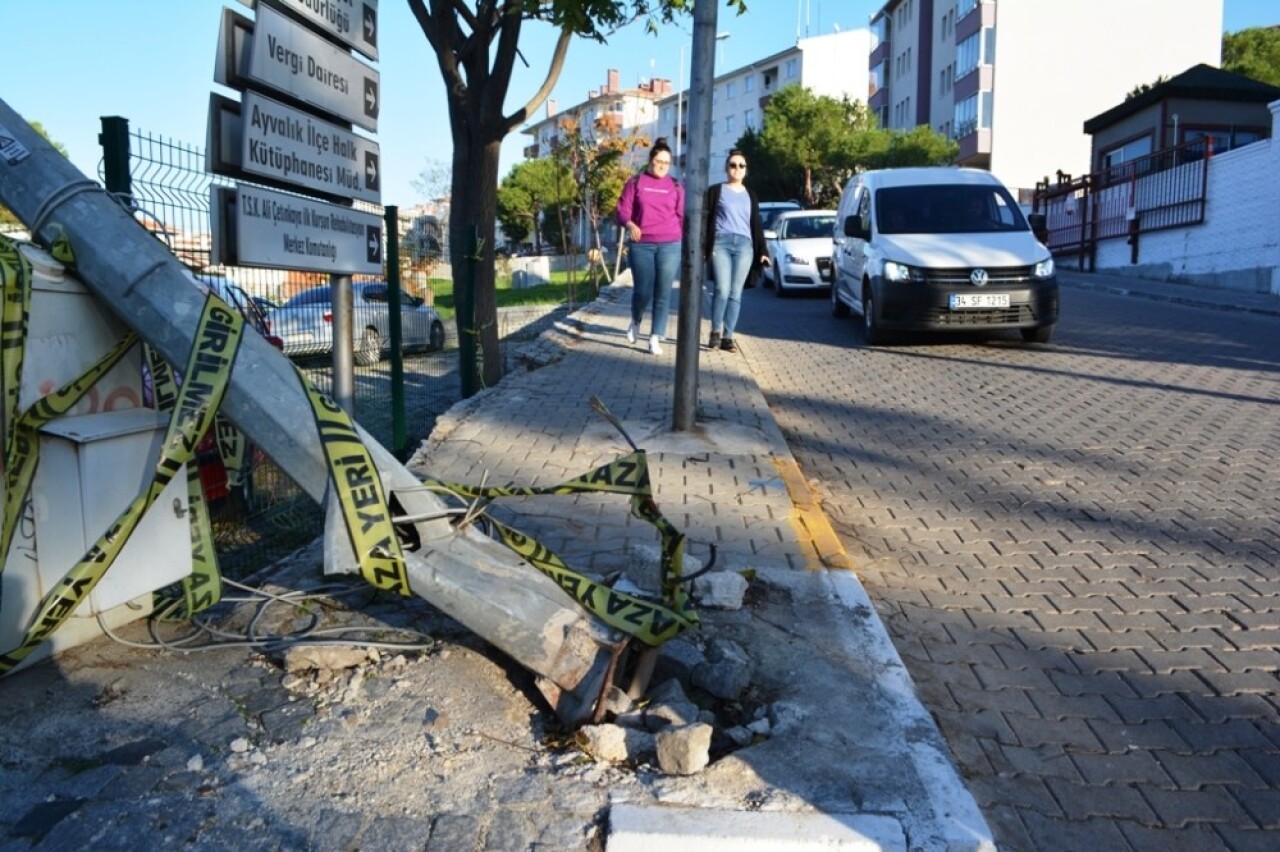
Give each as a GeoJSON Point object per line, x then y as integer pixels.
{"type": "Point", "coordinates": [452, 748]}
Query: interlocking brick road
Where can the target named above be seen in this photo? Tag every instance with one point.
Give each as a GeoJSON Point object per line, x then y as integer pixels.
{"type": "Point", "coordinates": [1074, 547]}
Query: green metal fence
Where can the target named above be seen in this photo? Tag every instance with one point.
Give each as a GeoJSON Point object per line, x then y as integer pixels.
{"type": "Point", "coordinates": [166, 185]}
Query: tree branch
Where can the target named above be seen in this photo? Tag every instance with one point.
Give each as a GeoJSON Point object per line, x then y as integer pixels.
{"type": "Point", "coordinates": [553, 74]}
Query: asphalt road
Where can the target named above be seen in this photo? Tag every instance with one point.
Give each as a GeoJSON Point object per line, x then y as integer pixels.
{"type": "Point", "coordinates": [1074, 548]}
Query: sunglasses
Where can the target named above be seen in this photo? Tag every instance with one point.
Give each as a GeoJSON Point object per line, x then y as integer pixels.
{"type": "Point", "coordinates": [662, 162]}
{"type": "Point", "coordinates": [737, 165]}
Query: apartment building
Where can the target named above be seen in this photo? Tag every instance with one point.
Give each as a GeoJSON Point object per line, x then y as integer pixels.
{"type": "Point", "coordinates": [830, 64]}
{"type": "Point", "coordinates": [622, 111]}
{"type": "Point", "coordinates": [1013, 81]}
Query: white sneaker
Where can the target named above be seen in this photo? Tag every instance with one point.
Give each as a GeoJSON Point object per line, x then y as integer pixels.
{"type": "Point", "coordinates": [655, 345]}
{"type": "Point", "coordinates": [631, 333]}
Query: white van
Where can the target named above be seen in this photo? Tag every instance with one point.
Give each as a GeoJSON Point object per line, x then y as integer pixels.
{"type": "Point", "coordinates": [939, 249]}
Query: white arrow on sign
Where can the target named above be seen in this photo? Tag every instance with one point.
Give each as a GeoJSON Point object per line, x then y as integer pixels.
{"type": "Point", "coordinates": [284, 145]}
{"type": "Point", "coordinates": [340, 22]}
{"type": "Point", "coordinates": [280, 231]}
{"type": "Point", "coordinates": [287, 57]}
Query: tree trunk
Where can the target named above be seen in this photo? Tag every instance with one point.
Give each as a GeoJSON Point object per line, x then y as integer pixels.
{"type": "Point", "coordinates": [474, 211]}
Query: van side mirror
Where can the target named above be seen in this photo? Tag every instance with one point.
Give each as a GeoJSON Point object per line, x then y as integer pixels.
{"type": "Point", "coordinates": [853, 228]}
{"type": "Point", "coordinates": [1039, 226]}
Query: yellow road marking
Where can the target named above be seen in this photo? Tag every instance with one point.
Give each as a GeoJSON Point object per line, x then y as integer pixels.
{"type": "Point", "coordinates": [810, 522]}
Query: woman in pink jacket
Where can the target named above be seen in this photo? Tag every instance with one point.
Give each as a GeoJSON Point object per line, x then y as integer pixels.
{"type": "Point", "coordinates": [651, 208]}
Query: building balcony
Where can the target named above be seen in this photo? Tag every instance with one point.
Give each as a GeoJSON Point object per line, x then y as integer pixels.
{"type": "Point", "coordinates": [531, 151]}
{"type": "Point", "coordinates": [975, 149]}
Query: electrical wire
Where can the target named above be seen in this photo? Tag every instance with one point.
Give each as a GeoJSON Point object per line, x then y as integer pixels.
{"type": "Point", "coordinates": [206, 634]}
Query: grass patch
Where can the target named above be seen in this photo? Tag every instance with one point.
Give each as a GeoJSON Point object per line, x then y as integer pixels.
{"type": "Point", "coordinates": [556, 292]}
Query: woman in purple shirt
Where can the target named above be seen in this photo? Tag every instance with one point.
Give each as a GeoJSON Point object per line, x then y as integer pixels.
{"type": "Point", "coordinates": [651, 208]}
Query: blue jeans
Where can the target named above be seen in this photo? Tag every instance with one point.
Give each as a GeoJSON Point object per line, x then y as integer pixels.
{"type": "Point", "coordinates": [731, 259]}
{"type": "Point", "coordinates": [653, 269]}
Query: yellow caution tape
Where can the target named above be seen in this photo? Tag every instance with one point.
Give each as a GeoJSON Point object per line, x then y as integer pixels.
{"type": "Point", "coordinates": [15, 284]}
{"type": "Point", "coordinates": [203, 587]}
{"type": "Point", "coordinates": [358, 486]}
{"type": "Point", "coordinates": [205, 379]}
{"type": "Point", "coordinates": [649, 621]}
{"type": "Point", "coordinates": [233, 448]}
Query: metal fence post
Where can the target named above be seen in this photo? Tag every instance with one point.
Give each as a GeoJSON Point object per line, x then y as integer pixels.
{"type": "Point", "coordinates": [114, 140]}
{"type": "Point", "coordinates": [391, 223]}
{"type": "Point", "coordinates": [464, 303]}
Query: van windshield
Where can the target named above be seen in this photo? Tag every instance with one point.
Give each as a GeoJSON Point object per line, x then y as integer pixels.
{"type": "Point", "coordinates": [947, 209]}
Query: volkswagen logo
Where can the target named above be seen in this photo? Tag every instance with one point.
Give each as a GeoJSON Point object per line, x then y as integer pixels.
{"type": "Point", "coordinates": [978, 278]}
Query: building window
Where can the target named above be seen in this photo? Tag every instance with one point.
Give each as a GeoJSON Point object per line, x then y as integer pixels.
{"type": "Point", "coordinates": [1223, 140]}
{"type": "Point", "coordinates": [1131, 150]}
{"type": "Point", "coordinates": [749, 119]}
{"type": "Point", "coordinates": [792, 67]}
{"type": "Point", "coordinates": [969, 54]}
{"type": "Point", "coordinates": [666, 113]}
{"type": "Point", "coordinates": [730, 89]}
{"type": "Point", "coordinates": [966, 116]}
{"type": "Point", "coordinates": [876, 79]}
{"type": "Point", "coordinates": [770, 77]}
{"type": "Point", "coordinates": [964, 7]}
{"type": "Point", "coordinates": [749, 83]}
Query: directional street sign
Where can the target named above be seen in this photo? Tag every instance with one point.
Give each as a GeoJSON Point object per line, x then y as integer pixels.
{"type": "Point", "coordinates": [353, 22]}
{"type": "Point", "coordinates": [282, 55]}
{"type": "Point", "coordinates": [253, 226]}
{"type": "Point", "coordinates": [263, 140]}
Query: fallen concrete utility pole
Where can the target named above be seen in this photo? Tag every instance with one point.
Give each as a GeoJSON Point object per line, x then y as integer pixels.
{"type": "Point", "coordinates": [477, 581]}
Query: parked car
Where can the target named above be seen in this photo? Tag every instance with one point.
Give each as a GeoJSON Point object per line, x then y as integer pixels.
{"type": "Point", "coordinates": [940, 248]}
{"type": "Point", "coordinates": [800, 250]}
{"type": "Point", "coordinates": [234, 295]}
{"type": "Point", "coordinates": [214, 480]}
{"type": "Point", "coordinates": [771, 210]}
{"type": "Point", "coordinates": [305, 322]}
{"type": "Point", "coordinates": [264, 304]}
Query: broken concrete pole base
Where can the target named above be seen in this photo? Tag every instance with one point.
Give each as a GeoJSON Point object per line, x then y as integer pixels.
{"type": "Point", "coordinates": [686, 750]}
{"type": "Point", "coordinates": [476, 581]}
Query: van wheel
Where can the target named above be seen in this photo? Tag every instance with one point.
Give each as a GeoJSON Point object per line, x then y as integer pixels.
{"type": "Point", "coordinates": [838, 308]}
{"type": "Point", "coordinates": [871, 331]}
{"type": "Point", "coordinates": [1043, 334]}
{"type": "Point", "coordinates": [369, 351]}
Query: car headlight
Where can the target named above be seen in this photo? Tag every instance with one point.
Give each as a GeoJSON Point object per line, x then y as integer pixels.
{"type": "Point", "coordinates": [900, 272]}
{"type": "Point", "coordinates": [1043, 269]}
{"type": "Point", "coordinates": [798, 261]}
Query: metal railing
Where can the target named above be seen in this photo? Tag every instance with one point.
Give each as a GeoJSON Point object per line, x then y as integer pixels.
{"type": "Point", "coordinates": [1167, 189]}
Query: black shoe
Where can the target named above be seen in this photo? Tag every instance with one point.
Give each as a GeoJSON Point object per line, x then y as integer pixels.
{"type": "Point", "coordinates": [714, 342]}
{"type": "Point", "coordinates": [728, 345]}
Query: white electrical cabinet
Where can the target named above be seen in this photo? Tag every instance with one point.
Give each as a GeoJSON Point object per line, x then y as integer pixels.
{"type": "Point", "coordinates": [92, 464]}
{"type": "Point", "coordinates": [91, 469]}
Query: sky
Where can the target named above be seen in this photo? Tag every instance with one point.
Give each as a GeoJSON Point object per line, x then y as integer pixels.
{"type": "Point", "coordinates": [69, 62]}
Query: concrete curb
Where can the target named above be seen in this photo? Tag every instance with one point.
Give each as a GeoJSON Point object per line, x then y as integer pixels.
{"type": "Point", "coordinates": [634, 828]}
{"type": "Point", "coordinates": [1179, 294]}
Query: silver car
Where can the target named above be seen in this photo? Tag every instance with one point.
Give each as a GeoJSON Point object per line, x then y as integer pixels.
{"type": "Point", "coordinates": [305, 322]}
{"type": "Point", "coordinates": [799, 245]}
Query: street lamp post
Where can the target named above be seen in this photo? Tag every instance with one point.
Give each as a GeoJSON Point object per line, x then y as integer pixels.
{"type": "Point", "coordinates": [720, 37]}
{"type": "Point", "coordinates": [680, 111]}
